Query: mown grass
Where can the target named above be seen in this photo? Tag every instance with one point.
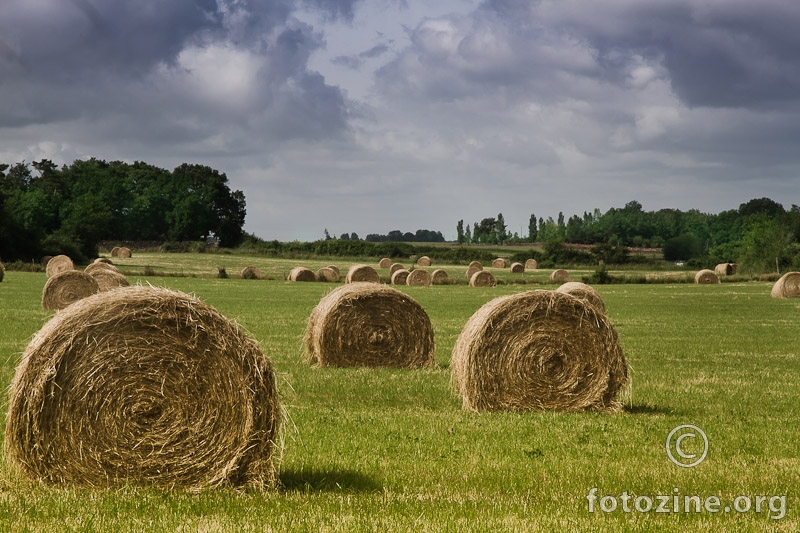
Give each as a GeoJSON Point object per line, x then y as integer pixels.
{"type": "Point", "coordinates": [391, 450]}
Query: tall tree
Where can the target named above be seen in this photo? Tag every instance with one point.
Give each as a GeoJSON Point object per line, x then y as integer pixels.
{"type": "Point", "coordinates": [501, 235]}
{"type": "Point", "coordinates": [460, 231]}
{"type": "Point", "coordinates": [532, 228]}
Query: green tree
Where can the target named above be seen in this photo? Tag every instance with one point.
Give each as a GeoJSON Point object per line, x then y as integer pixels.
{"type": "Point", "coordinates": [765, 245]}
{"type": "Point", "coordinates": [460, 231]}
{"type": "Point", "coordinates": [501, 235]}
{"type": "Point", "coordinates": [532, 228]}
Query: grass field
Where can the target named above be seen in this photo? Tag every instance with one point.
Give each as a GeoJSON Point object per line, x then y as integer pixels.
{"type": "Point", "coordinates": [391, 450]}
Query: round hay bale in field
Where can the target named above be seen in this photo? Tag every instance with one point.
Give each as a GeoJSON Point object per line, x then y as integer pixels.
{"type": "Point", "coordinates": [94, 267]}
{"type": "Point", "coordinates": [517, 268]}
{"type": "Point", "coordinates": [327, 274]}
{"type": "Point", "coordinates": [476, 265]}
{"type": "Point", "coordinates": [251, 272]}
{"type": "Point", "coordinates": [584, 292]}
{"type": "Point", "coordinates": [419, 278]}
{"type": "Point", "coordinates": [144, 385]}
{"type": "Point", "coordinates": [788, 286]}
{"type": "Point", "coordinates": [724, 269]}
{"type": "Point", "coordinates": [395, 267]}
{"type": "Point", "coordinates": [114, 251]}
{"type": "Point", "coordinates": [499, 263]}
{"type": "Point", "coordinates": [302, 274]}
{"type": "Point", "coordinates": [424, 261]}
{"type": "Point", "coordinates": [439, 277]}
{"type": "Point", "coordinates": [362, 273]}
{"type": "Point", "coordinates": [66, 288]}
{"type": "Point", "coordinates": [334, 268]}
{"type": "Point", "coordinates": [105, 260]}
{"type": "Point", "coordinates": [109, 279]}
{"type": "Point", "coordinates": [559, 276]}
{"type": "Point", "coordinates": [366, 324]}
{"type": "Point", "coordinates": [385, 263]}
{"type": "Point", "coordinates": [121, 252]}
{"type": "Point", "coordinates": [482, 278]}
{"type": "Point", "coordinates": [538, 350]}
{"type": "Point", "coordinates": [59, 263]}
{"type": "Point", "coordinates": [400, 276]}
{"type": "Point", "coordinates": [706, 277]}
{"type": "Point", "coordinates": [471, 271]}
{"type": "Point", "coordinates": [531, 264]}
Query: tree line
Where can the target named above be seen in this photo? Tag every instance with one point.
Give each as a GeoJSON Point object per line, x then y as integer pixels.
{"type": "Point", "coordinates": [46, 210]}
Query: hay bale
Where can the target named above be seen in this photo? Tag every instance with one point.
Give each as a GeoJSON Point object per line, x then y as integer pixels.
{"type": "Point", "coordinates": [362, 273]}
{"type": "Point", "coordinates": [482, 278]}
{"type": "Point", "coordinates": [105, 260]}
{"type": "Point", "coordinates": [302, 274]}
{"type": "Point", "coordinates": [517, 268]}
{"type": "Point", "coordinates": [725, 269]}
{"type": "Point", "coordinates": [143, 385]}
{"type": "Point", "coordinates": [251, 272]}
{"type": "Point", "coordinates": [419, 278]}
{"type": "Point", "coordinates": [395, 267]}
{"type": "Point", "coordinates": [385, 263]}
{"type": "Point", "coordinates": [66, 288]}
{"type": "Point", "coordinates": [476, 265]}
{"type": "Point", "coordinates": [114, 251]}
{"type": "Point", "coordinates": [788, 286]}
{"type": "Point", "coordinates": [108, 279]}
{"type": "Point", "coordinates": [327, 274]}
{"type": "Point", "coordinates": [424, 261]}
{"type": "Point", "coordinates": [706, 277]}
{"type": "Point", "coordinates": [439, 277]}
{"type": "Point", "coordinates": [94, 267]}
{"type": "Point", "coordinates": [471, 271]}
{"type": "Point", "coordinates": [539, 350]}
{"type": "Point", "coordinates": [559, 276]}
{"type": "Point", "coordinates": [583, 292]}
{"type": "Point", "coordinates": [121, 252]}
{"type": "Point", "coordinates": [400, 276]}
{"type": "Point", "coordinates": [531, 264]}
{"type": "Point", "coordinates": [366, 324]}
{"type": "Point", "coordinates": [335, 269]}
{"type": "Point", "coordinates": [499, 263]}
{"type": "Point", "coordinates": [59, 263]}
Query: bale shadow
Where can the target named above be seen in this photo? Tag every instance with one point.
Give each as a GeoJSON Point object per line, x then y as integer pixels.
{"type": "Point", "coordinates": [327, 481]}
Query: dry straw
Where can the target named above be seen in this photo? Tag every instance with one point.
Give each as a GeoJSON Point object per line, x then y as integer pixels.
{"type": "Point", "coordinates": [148, 386]}
{"type": "Point", "coordinates": [66, 288]}
{"type": "Point", "coordinates": [499, 263]}
{"type": "Point", "coordinates": [400, 276]}
{"type": "Point", "coordinates": [385, 263]}
{"type": "Point", "coordinates": [424, 261]}
{"type": "Point", "coordinates": [517, 268]}
{"type": "Point", "coordinates": [59, 263]}
{"type": "Point", "coordinates": [121, 252]}
{"type": "Point", "coordinates": [362, 273]}
{"type": "Point", "coordinates": [583, 292]}
{"type": "Point", "coordinates": [482, 278]}
{"type": "Point", "coordinates": [559, 276]}
{"type": "Point", "coordinates": [531, 264]}
{"type": "Point", "coordinates": [726, 269]}
{"type": "Point", "coordinates": [539, 350]}
{"type": "Point", "coordinates": [105, 260]}
{"type": "Point", "coordinates": [419, 278]}
{"type": "Point", "coordinates": [302, 274]}
{"type": "Point", "coordinates": [251, 272]}
{"type": "Point", "coordinates": [394, 268]}
{"type": "Point", "coordinates": [334, 268]}
{"type": "Point", "coordinates": [706, 277]}
{"type": "Point", "coordinates": [788, 286]}
{"type": "Point", "coordinates": [439, 277]}
{"type": "Point", "coordinates": [327, 274]}
{"type": "Point", "coordinates": [471, 270]}
{"type": "Point", "coordinates": [94, 267]}
{"type": "Point", "coordinates": [109, 279]}
{"type": "Point", "coordinates": [475, 264]}
{"type": "Point", "coordinates": [366, 324]}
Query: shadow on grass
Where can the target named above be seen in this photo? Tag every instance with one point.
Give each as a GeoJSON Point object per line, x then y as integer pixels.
{"type": "Point", "coordinates": [327, 481]}
{"type": "Point", "coordinates": [648, 409]}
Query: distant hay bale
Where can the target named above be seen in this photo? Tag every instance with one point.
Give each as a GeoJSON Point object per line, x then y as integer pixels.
{"type": "Point", "coordinates": [94, 267]}
{"type": "Point", "coordinates": [366, 324]}
{"type": "Point", "coordinates": [531, 264]}
{"type": "Point", "coordinates": [327, 274]}
{"type": "Point", "coordinates": [788, 286]}
{"type": "Point", "coordinates": [438, 276]}
{"type": "Point", "coordinates": [385, 263]}
{"type": "Point", "coordinates": [482, 278]}
{"type": "Point", "coordinates": [725, 269]}
{"type": "Point", "coordinates": [475, 264]}
{"type": "Point", "coordinates": [108, 279]}
{"type": "Point", "coordinates": [559, 276]}
{"type": "Point", "coordinates": [706, 277]}
{"type": "Point", "coordinates": [517, 268]}
{"type": "Point", "coordinates": [424, 261]}
{"type": "Point", "coordinates": [538, 350]}
{"type": "Point", "coordinates": [419, 278]}
{"type": "Point", "coordinates": [104, 260]}
{"type": "Point", "coordinates": [59, 263]}
{"type": "Point", "coordinates": [471, 270]}
{"type": "Point", "coordinates": [302, 274]}
{"type": "Point", "coordinates": [499, 263]}
{"type": "Point", "coordinates": [400, 276]}
{"type": "Point", "coordinates": [45, 259]}
{"type": "Point", "coordinates": [66, 288]}
{"type": "Point", "coordinates": [334, 268]}
{"type": "Point", "coordinates": [251, 272]}
{"type": "Point", "coordinates": [143, 385]}
{"type": "Point", "coordinates": [114, 251]}
{"type": "Point", "coordinates": [394, 268]}
{"type": "Point", "coordinates": [121, 252]}
{"type": "Point", "coordinates": [583, 292]}
{"type": "Point", "coordinates": [2, 271]}
{"type": "Point", "coordinates": [362, 273]}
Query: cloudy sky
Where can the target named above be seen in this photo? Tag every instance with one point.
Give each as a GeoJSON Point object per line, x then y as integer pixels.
{"type": "Point", "coordinates": [374, 115]}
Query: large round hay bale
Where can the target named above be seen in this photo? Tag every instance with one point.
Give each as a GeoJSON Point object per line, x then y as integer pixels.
{"type": "Point", "coordinates": [788, 286]}
{"type": "Point", "coordinates": [143, 385]}
{"type": "Point", "coordinates": [439, 277]}
{"type": "Point", "coordinates": [584, 292]}
{"type": "Point", "coordinates": [327, 274]}
{"type": "Point", "coordinates": [559, 276]}
{"type": "Point", "coordinates": [302, 274]}
{"type": "Point", "coordinates": [476, 265]}
{"type": "Point", "coordinates": [94, 267]}
{"type": "Point", "coordinates": [395, 267]}
{"type": "Point", "coordinates": [59, 263]}
{"type": "Point", "coordinates": [66, 288]}
{"type": "Point", "coordinates": [499, 263]}
{"type": "Point", "coordinates": [424, 261]}
{"type": "Point", "coordinates": [419, 278]}
{"type": "Point", "coordinates": [517, 268]}
{"type": "Point", "coordinates": [385, 263]}
{"type": "Point", "coordinates": [400, 276]}
{"type": "Point", "coordinates": [114, 251]}
{"type": "Point", "coordinates": [362, 273]}
{"type": "Point", "coordinates": [706, 277]}
{"type": "Point", "coordinates": [366, 324]}
{"type": "Point", "coordinates": [531, 264]}
{"type": "Point", "coordinates": [471, 271]}
{"type": "Point", "coordinates": [109, 279]}
{"type": "Point", "coordinates": [724, 269]}
{"type": "Point", "coordinates": [539, 350]}
{"type": "Point", "coordinates": [121, 252]}
{"type": "Point", "coordinates": [482, 278]}
{"type": "Point", "coordinates": [104, 260]}
{"type": "Point", "coordinates": [251, 272]}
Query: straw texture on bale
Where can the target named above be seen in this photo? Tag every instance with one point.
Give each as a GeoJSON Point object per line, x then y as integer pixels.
{"type": "Point", "coordinates": [66, 288]}
{"type": "Point", "coordinates": [482, 278]}
{"type": "Point", "coordinates": [499, 263]}
{"type": "Point", "coordinates": [327, 274]}
{"type": "Point", "coordinates": [424, 261]}
{"type": "Point", "coordinates": [59, 263]}
{"type": "Point", "coordinates": [385, 263]}
{"type": "Point", "coordinates": [438, 276]}
{"type": "Point", "coordinates": [362, 273]}
{"type": "Point", "coordinates": [334, 268]}
{"type": "Point", "coordinates": [517, 268]}
{"type": "Point", "coordinates": [471, 270]}
{"type": "Point", "coordinates": [475, 264]}
{"type": "Point", "coordinates": [400, 276]}
{"type": "Point", "coordinates": [109, 279]}
{"type": "Point", "coordinates": [104, 260]}
{"type": "Point", "coordinates": [366, 324]}
{"type": "Point", "coordinates": [94, 267]}
{"type": "Point", "coordinates": [531, 264]}
{"type": "Point", "coordinates": [121, 251]}
{"type": "Point", "coordinates": [419, 278]}
{"type": "Point", "coordinates": [302, 274]}
{"type": "Point", "coordinates": [559, 276]}
{"type": "Point", "coordinates": [788, 286]}
{"type": "Point", "coordinates": [143, 385]}
{"type": "Point", "coordinates": [584, 292]}
{"type": "Point", "coordinates": [394, 268]}
{"type": "Point", "coordinates": [538, 350]}
{"type": "Point", "coordinates": [725, 269]}
{"type": "Point", "coordinates": [114, 251]}
{"type": "Point", "coordinates": [251, 272]}
{"type": "Point", "coordinates": [706, 277]}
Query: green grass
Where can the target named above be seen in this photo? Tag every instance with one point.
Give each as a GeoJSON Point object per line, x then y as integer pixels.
{"type": "Point", "coordinates": [391, 450]}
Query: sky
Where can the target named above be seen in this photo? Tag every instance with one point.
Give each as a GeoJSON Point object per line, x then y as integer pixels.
{"type": "Point", "coordinates": [370, 116]}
